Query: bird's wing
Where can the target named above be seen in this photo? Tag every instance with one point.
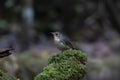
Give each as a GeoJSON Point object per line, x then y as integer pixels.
{"type": "Point", "coordinates": [68, 43]}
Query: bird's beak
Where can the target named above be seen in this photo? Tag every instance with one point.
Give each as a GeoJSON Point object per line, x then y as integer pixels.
{"type": "Point", "coordinates": [52, 32]}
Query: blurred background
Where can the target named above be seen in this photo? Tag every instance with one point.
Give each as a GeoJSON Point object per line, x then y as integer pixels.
{"type": "Point", "coordinates": [94, 25]}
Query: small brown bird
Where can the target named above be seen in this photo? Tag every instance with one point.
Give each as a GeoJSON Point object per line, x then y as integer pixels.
{"type": "Point", "coordinates": [62, 42]}
{"type": "Point", "coordinates": [6, 52]}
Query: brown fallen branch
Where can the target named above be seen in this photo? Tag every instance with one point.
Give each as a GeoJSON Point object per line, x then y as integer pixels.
{"type": "Point", "coordinates": [5, 52]}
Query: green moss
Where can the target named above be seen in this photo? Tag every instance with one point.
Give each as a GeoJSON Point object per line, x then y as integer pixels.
{"type": "Point", "coordinates": [7, 77]}
{"type": "Point", "coordinates": [4, 76]}
{"type": "Point", "coordinates": [69, 65]}
{"type": "Point", "coordinates": [1, 73]}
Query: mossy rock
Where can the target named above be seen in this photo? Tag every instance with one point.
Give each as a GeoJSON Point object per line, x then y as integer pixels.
{"type": "Point", "coordinates": [4, 76]}
{"type": "Point", "coordinates": [69, 65]}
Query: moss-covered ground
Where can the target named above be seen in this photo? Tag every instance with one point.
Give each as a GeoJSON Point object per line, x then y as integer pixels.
{"type": "Point", "coordinates": [68, 65]}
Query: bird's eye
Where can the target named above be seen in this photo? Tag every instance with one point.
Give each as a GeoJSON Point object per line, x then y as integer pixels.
{"type": "Point", "coordinates": [56, 34]}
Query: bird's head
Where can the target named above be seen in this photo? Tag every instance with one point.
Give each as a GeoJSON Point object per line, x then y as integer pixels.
{"type": "Point", "coordinates": [56, 34]}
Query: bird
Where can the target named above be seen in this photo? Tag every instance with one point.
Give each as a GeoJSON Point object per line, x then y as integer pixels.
{"type": "Point", "coordinates": [62, 42]}
{"type": "Point", "coordinates": [5, 52]}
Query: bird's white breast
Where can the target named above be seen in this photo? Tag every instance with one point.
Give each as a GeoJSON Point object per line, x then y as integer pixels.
{"type": "Point", "coordinates": [56, 39]}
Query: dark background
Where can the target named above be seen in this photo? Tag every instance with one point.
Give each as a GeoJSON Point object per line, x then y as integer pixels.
{"type": "Point", "coordinates": [93, 25]}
